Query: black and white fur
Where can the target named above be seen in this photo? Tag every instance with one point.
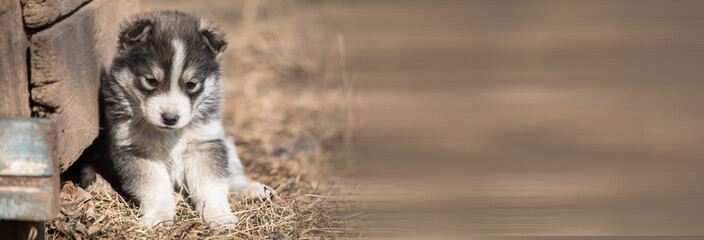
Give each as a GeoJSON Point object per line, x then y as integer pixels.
{"type": "Point", "coordinates": [163, 119]}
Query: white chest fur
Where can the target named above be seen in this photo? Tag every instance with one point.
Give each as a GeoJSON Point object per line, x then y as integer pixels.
{"type": "Point", "coordinates": [168, 148]}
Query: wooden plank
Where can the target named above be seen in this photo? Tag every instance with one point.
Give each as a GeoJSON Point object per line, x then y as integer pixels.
{"type": "Point", "coordinates": [25, 149]}
{"type": "Point", "coordinates": [28, 198]}
{"type": "Point", "coordinates": [28, 192]}
{"type": "Point", "coordinates": [38, 13]}
{"type": "Point", "coordinates": [67, 61]}
{"type": "Point", "coordinates": [14, 100]}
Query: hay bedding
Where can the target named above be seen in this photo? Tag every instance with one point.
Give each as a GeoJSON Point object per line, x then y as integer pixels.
{"type": "Point", "coordinates": [98, 212]}
{"type": "Point", "coordinates": [288, 109]}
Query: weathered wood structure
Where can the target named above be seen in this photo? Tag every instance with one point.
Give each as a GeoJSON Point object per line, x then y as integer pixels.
{"type": "Point", "coordinates": [28, 174]}
{"type": "Point", "coordinates": [52, 56]}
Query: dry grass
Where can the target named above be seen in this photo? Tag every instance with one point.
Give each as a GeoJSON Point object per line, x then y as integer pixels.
{"type": "Point", "coordinates": [287, 108]}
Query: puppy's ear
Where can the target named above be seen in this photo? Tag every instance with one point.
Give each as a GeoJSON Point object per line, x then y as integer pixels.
{"type": "Point", "coordinates": [213, 39]}
{"type": "Point", "coordinates": [135, 32]}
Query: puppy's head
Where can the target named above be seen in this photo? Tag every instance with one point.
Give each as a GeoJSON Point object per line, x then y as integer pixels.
{"type": "Point", "coordinates": [167, 66]}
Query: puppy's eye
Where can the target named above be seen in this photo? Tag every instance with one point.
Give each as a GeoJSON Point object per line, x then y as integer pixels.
{"type": "Point", "coordinates": [152, 82]}
{"type": "Point", "coordinates": [191, 85]}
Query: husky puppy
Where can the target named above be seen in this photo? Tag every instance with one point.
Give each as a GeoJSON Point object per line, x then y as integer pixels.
{"type": "Point", "coordinates": [163, 119]}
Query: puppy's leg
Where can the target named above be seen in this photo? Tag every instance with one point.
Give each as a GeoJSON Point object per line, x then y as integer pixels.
{"type": "Point", "coordinates": [238, 181]}
{"type": "Point", "coordinates": [206, 179]}
{"type": "Point", "coordinates": [148, 181]}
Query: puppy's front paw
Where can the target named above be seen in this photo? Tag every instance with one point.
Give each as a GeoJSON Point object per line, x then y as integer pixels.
{"type": "Point", "coordinates": [154, 220]}
{"type": "Point", "coordinates": [223, 222]}
{"type": "Point", "coordinates": [257, 190]}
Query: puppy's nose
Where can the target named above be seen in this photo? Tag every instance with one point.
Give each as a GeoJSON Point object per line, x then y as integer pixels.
{"type": "Point", "coordinates": [169, 119]}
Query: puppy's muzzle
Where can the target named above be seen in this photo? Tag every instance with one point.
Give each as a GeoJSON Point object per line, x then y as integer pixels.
{"type": "Point", "coordinates": [169, 119]}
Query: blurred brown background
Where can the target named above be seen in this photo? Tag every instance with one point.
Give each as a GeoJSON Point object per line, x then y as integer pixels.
{"type": "Point", "coordinates": [528, 118]}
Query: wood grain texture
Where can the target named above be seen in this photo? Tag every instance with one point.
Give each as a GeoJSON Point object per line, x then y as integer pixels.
{"type": "Point", "coordinates": [67, 61]}
{"type": "Point", "coordinates": [14, 100]}
{"type": "Point", "coordinates": [38, 13]}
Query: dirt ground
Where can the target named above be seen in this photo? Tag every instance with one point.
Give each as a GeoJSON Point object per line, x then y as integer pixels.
{"type": "Point", "coordinates": [288, 109]}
